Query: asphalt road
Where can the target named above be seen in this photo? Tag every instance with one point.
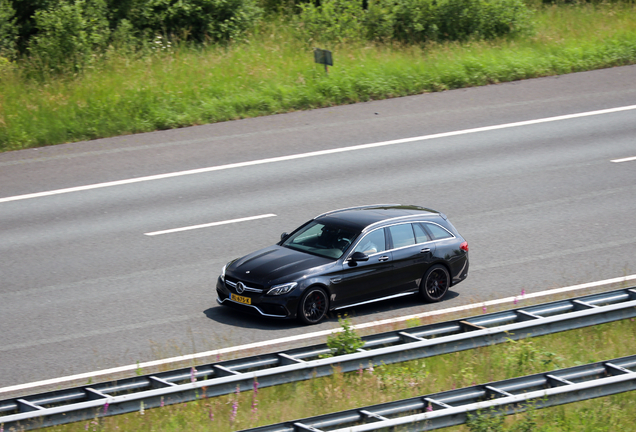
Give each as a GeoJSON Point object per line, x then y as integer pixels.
{"type": "Point", "coordinates": [83, 287]}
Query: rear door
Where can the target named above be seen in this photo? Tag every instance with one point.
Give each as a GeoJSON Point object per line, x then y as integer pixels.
{"type": "Point", "coordinates": [413, 253]}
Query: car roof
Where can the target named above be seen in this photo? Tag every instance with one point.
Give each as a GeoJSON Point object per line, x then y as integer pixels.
{"type": "Point", "coordinates": [362, 217]}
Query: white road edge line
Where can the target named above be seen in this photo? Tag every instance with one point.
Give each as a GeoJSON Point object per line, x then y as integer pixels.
{"type": "Point", "coordinates": [140, 366]}
{"type": "Point", "coordinates": [316, 153]}
{"type": "Point", "coordinates": [627, 159]}
{"type": "Point", "coordinates": [193, 227]}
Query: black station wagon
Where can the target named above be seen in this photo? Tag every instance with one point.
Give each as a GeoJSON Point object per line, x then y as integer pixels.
{"type": "Point", "coordinates": [346, 258]}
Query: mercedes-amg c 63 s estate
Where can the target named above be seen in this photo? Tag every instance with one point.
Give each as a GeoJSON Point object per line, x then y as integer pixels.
{"type": "Point", "coordinates": [345, 258]}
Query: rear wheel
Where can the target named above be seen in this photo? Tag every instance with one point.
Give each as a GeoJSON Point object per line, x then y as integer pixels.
{"type": "Point", "coordinates": [435, 283]}
{"type": "Point", "coordinates": [313, 306]}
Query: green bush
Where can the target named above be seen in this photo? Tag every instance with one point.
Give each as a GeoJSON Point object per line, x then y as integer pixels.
{"type": "Point", "coordinates": [8, 29]}
{"type": "Point", "coordinates": [345, 342]}
{"type": "Point", "coordinates": [69, 36]}
{"type": "Point", "coordinates": [199, 20]}
{"type": "Point", "coordinates": [60, 36]}
{"type": "Point", "coordinates": [331, 20]}
{"type": "Point", "coordinates": [457, 20]}
{"type": "Point", "coordinates": [413, 21]}
{"type": "Point", "coordinates": [481, 19]}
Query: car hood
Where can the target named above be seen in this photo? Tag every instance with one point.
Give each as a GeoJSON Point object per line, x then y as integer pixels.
{"type": "Point", "coordinates": [272, 263]}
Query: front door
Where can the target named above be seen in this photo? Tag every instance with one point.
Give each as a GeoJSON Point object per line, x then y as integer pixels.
{"type": "Point", "coordinates": [359, 281]}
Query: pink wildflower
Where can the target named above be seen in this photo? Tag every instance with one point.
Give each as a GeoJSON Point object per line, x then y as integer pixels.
{"type": "Point", "coordinates": [254, 400]}
{"type": "Point", "coordinates": [234, 411]}
{"type": "Point", "coordinates": [105, 409]}
{"type": "Point", "coordinates": [235, 405]}
{"type": "Point", "coordinates": [192, 372]}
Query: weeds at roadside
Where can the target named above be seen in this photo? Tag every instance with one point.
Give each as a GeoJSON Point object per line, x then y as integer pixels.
{"type": "Point", "coordinates": [371, 385]}
{"type": "Point", "coordinates": [346, 341]}
{"type": "Point", "coordinates": [275, 73]}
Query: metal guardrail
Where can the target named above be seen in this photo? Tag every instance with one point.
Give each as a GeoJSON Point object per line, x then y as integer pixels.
{"type": "Point", "coordinates": [182, 385]}
{"type": "Point", "coordinates": [452, 408]}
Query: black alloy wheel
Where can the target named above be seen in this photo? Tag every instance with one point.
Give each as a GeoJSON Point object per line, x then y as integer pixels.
{"type": "Point", "coordinates": [435, 283]}
{"type": "Point", "coordinates": [313, 306]}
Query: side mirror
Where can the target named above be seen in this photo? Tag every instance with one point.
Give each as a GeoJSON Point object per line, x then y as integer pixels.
{"type": "Point", "coordinates": [359, 256]}
{"type": "Point", "coordinates": [284, 236]}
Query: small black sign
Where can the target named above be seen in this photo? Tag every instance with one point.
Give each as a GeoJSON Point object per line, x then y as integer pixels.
{"type": "Point", "coordinates": [322, 56]}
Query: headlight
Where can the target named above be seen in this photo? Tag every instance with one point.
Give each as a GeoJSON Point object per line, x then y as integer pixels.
{"type": "Point", "coordinates": [282, 289]}
{"type": "Point", "coordinates": [223, 272]}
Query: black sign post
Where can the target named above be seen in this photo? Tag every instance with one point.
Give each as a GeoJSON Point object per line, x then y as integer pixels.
{"type": "Point", "coordinates": [322, 56]}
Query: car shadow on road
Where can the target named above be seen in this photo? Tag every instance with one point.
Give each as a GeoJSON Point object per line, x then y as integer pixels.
{"type": "Point", "coordinates": [369, 312]}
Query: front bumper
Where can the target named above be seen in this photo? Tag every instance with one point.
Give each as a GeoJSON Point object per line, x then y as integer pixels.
{"type": "Point", "coordinates": [271, 307]}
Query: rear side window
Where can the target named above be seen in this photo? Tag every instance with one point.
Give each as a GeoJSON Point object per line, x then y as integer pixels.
{"type": "Point", "coordinates": [420, 234]}
{"type": "Point", "coordinates": [402, 235]}
{"type": "Point", "coordinates": [437, 232]}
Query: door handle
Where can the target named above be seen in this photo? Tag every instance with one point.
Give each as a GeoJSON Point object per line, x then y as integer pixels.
{"type": "Point", "coordinates": [383, 258]}
{"type": "Point", "coordinates": [425, 250]}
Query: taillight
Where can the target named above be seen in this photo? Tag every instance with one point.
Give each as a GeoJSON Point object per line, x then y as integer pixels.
{"type": "Point", "coordinates": [464, 246]}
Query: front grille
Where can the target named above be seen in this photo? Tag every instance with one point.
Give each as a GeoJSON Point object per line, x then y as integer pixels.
{"type": "Point", "coordinates": [232, 285]}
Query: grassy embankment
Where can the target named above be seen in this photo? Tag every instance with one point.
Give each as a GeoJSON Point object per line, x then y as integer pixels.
{"type": "Point", "coordinates": [415, 378]}
{"type": "Point", "coordinates": [275, 73]}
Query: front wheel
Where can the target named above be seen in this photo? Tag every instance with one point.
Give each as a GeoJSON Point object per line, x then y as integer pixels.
{"type": "Point", "coordinates": [313, 306]}
{"type": "Point", "coordinates": [435, 283]}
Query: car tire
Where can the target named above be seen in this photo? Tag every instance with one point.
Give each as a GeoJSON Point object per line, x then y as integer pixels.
{"type": "Point", "coordinates": [435, 283]}
{"type": "Point", "coordinates": [313, 306]}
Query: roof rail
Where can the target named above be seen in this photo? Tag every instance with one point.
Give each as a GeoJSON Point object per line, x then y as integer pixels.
{"type": "Point", "coordinates": [354, 208]}
{"type": "Point", "coordinates": [393, 219]}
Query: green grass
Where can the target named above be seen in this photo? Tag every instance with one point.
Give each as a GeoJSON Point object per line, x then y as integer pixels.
{"type": "Point", "coordinates": [410, 379]}
{"type": "Point", "coordinates": [274, 72]}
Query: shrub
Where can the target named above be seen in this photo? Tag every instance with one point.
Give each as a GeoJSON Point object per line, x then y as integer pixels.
{"type": "Point", "coordinates": [8, 29]}
{"type": "Point", "coordinates": [413, 21]}
{"type": "Point", "coordinates": [331, 21]}
{"type": "Point", "coordinates": [481, 19]}
{"type": "Point", "coordinates": [70, 35]}
{"type": "Point", "coordinates": [345, 342]}
{"type": "Point", "coordinates": [199, 20]}
{"type": "Point", "coordinates": [456, 20]}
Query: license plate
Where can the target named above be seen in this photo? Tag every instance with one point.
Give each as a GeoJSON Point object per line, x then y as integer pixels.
{"type": "Point", "coordinates": [241, 299]}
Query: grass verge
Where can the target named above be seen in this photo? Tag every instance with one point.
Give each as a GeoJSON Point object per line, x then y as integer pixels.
{"type": "Point", "coordinates": [275, 73]}
{"type": "Point", "coordinates": [420, 377]}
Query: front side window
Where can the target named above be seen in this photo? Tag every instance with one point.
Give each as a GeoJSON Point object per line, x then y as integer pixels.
{"type": "Point", "coordinates": [373, 242]}
{"type": "Point", "coordinates": [324, 240]}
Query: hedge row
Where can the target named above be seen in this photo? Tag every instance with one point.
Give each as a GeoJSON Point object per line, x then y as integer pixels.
{"type": "Point", "coordinates": [64, 36]}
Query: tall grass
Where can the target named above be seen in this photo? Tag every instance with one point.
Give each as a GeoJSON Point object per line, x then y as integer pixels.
{"type": "Point", "coordinates": [415, 378]}
{"type": "Point", "coordinates": [274, 72]}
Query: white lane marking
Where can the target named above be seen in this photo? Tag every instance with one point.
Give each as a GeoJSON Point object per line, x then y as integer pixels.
{"type": "Point", "coordinates": [193, 227]}
{"type": "Point", "coordinates": [217, 353]}
{"type": "Point", "coordinates": [316, 153]}
{"type": "Point", "coordinates": [627, 159]}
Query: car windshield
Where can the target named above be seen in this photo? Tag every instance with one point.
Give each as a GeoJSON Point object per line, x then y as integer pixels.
{"type": "Point", "coordinates": [328, 241]}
